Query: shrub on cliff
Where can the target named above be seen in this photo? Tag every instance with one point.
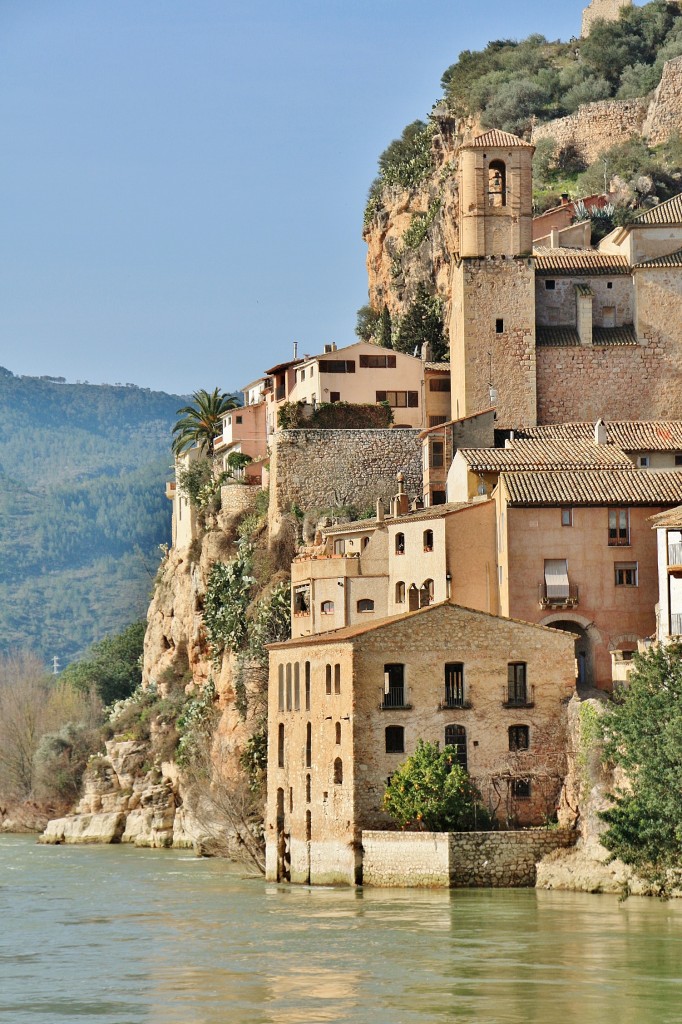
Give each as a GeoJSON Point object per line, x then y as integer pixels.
{"type": "Point", "coordinates": [431, 792]}
{"type": "Point", "coordinates": [112, 667]}
{"type": "Point", "coordinates": [642, 727]}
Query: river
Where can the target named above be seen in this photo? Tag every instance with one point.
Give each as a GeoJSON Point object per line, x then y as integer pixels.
{"type": "Point", "coordinates": [115, 935]}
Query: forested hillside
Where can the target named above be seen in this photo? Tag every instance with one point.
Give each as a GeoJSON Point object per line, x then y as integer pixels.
{"type": "Point", "coordinates": [82, 509]}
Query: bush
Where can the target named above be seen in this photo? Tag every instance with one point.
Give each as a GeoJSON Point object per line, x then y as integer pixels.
{"type": "Point", "coordinates": [334, 416]}
{"type": "Point", "coordinates": [422, 323]}
{"type": "Point", "coordinates": [61, 759]}
{"type": "Point", "coordinates": [430, 792]}
{"type": "Point", "coordinates": [112, 667]}
{"type": "Point", "coordinates": [228, 593]}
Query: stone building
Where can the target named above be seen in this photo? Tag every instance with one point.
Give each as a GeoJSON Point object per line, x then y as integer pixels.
{"type": "Point", "coordinates": [530, 327]}
{"type": "Point", "coordinates": [668, 526]}
{"type": "Point", "coordinates": [602, 10]}
{"type": "Point", "coordinates": [347, 707]}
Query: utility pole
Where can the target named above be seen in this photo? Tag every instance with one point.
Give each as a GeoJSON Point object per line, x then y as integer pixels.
{"type": "Point", "coordinates": [55, 666]}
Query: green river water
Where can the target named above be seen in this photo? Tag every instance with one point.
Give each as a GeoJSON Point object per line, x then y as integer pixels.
{"type": "Point", "coordinates": [115, 935]}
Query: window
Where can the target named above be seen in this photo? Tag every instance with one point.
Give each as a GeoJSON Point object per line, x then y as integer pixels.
{"type": "Point", "coordinates": [337, 679]}
{"type": "Point", "coordinates": [435, 421]}
{"type": "Point", "coordinates": [643, 461]}
{"type": "Point", "coordinates": [395, 739]}
{"type": "Point", "coordinates": [550, 285]}
{"type": "Point", "coordinates": [400, 543]}
{"type": "Point", "coordinates": [297, 687]}
{"type": "Point", "coordinates": [454, 684]}
{"type": "Point", "coordinates": [302, 599]}
{"type": "Point", "coordinates": [428, 540]}
{"type": "Point", "coordinates": [308, 825]}
{"type": "Point", "coordinates": [280, 746]}
{"type": "Point", "coordinates": [556, 579]}
{"type": "Point", "coordinates": [309, 745]}
{"type": "Point", "coordinates": [327, 679]}
{"type": "Point", "coordinates": [337, 732]}
{"type": "Point", "coordinates": [308, 788]}
{"type": "Point", "coordinates": [626, 574]}
{"type": "Point", "coordinates": [456, 736]}
{"type": "Point", "coordinates": [302, 374]}
{"type": "Point", "coordinates": [327, 607]}
{"type": "Point", "coordinates": [288, 687]}
{"type": "Point", "coordinates": [437, 454]}
{"type": "Point", "coordinates": [497, 183]}
{"type": "Point", "coordinates": [517, 690]}
{"type": "Point", "coordinates": [335, 396]}
{"type": "Point", "coordinates": [377, 362]}
{"type": "Point", "coordinates": [438, 497]}
{"type": "Point", "coordinates": [394, 686]}
{"type": "Point", "coordinates": [609, 284]}
{"type": "Point", "coordinates": [518, 737]}
{"type": "Point", "coordinates": [338, 771]}
{"type": "Point", "coordinates": [239, 419]}
{"type": "Point", "coordinates": [521, 789]}
{"type": "Point", "coordinates": [366, 605]}
{"type": "Point", "coordinates": [340, 547]}
{"type": "Point", "coordinates": [399, 399]}
{"type": "Point", "coordinates": [365, 542]}
{"type": "Point", "coordinates": [499, 326]}
{"type": "Point", "coordinates": [400, 592]}
{"type": "Point", "coordinates": [426, 594]}
{"type": "Point", "coordinates": [337, 366]}
{"type": "Point", "coordinates": [567, 517]}
{"type": "Point", "coordinates": [678, 460]}
{"type": "Point", "coordinates": [280, 687]}
{"type": "Point", "coordinates": [619, 526]}
{"type": "Point", "coordinates": [440, 384]}
{"type": "Point", "coordinates": [307, 686]}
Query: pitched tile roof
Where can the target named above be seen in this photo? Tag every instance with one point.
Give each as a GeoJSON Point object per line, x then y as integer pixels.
{"type": "Point", "coordinates": [669, 212]}
{"type": "Point", "coordinates": [538, 454]}
{"type": "Point", "coordinates": [496, 139]}
{"type": "Point", "coordinates": [630, 435]}
{"type": "Point", "coordinates": [625, 335]}
{"type": "Point", "coordinates": [433, 512]}
{"type": "Point", "coordinates": [557, 336]}
{"type": "Point", "coordinates": [671, 519]}
{"type": "Point", "coordinates": [673, 260]}
{"type": "Point", "coordinates": [571, 262]}
{"type": "Point", "coordinates": [594, 487]}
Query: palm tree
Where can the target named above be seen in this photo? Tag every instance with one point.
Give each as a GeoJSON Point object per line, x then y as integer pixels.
{"type": "Point", "coordinates": [200, 424]}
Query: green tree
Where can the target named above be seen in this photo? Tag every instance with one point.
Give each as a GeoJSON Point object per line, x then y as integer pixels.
{"type": "Point", "coordinates": [423, 322]}
{"type": "Point", "coordinates": [431, 792]}
{"type": "Point", "coordinates": [366, 323]}
{"type": "Point", "coordinates": [113, 666]}
{"type": "Point", "coordinates": [200, 424]}
{"type": "Point", "coordinates": [642, 728]}
{"type": "Point", "coordinates": [385, 333]}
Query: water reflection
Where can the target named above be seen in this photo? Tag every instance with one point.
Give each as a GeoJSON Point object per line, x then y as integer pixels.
{"type": "Point", "coordinates": [120, 936]}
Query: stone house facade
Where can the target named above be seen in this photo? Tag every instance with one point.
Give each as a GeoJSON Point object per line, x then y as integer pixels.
{"type": "Point", "coordinates": [347, 707]}
{"type": "Point", "coordinates": [668, 527]}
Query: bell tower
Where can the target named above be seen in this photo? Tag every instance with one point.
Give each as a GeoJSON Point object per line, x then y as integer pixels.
{"type": "Point", "coordinates": [492, 328]}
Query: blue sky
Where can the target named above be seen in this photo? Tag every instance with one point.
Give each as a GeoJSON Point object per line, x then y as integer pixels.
{"type": "Point", "coordinates": [183, 181]}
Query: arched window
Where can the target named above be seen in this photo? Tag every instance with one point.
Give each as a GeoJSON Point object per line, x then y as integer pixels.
{"type": "Point", "coordinates": [280, 746]}
{"type": "Point", "coordinates": [400, 543]}
{"type": "Point", "coordinates": [365, 542]}
{"type": "Point", "coordinates": [297, 686]}
{"type": "Point", "coordinates": [456, 736]}
{"type": "Point", "coordinates": [337, 731]}
{"type": "Point", "coordinates": [338, 771]}
{"type": "Point", "coordinates": [337, 678]}
{"type": "Point", "coordinates": [327, 608]}
{"type": "Point", "coordinates": [400, 593]}
{"type": "Point", "coordinates": [280, 686]}
{"type": "Point", "coordinates": [289, 687]}
{"type": "Point", "coordinates": [308, 788]}
{"type": "Point", "coordinates": [365, 605]}
{"type": "Point", "coordinates": [308, 825]}
{"type": "Point", "coordinates": [308, 745]}
{"type": "Point", "coordinates": [497, 183]}
{"type": "Point", "coordinates": [327, 679]}
{"type": "Point", "coordinates": [395, 739]}
{"type": "Point", "coordinates": [426, 593]}
{"type": "Point", "coordinates": [428, 540]}
{"type": "Point", "coordinates": [307, 686]}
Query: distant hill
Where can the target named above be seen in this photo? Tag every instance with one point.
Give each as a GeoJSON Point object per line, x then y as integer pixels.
{"type": "Point", "coordinates": [82, 509]}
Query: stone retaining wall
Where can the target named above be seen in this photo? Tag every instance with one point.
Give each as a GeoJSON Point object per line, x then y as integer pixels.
{"type": "Point", "coordinates": [316, 469]}
{"type": "Point", "coordinates": [499, 860]}
{"type": "Point", "coordinates": [238, 497]}
{"type": "Point", "coordinates": [595, 127]}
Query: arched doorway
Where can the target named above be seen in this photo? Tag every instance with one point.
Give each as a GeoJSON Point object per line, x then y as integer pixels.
{"type": "Point", "coordinates": [585, 641]}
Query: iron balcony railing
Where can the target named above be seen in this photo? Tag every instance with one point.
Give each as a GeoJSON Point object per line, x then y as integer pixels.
{"type": "Point", "coordinates": [518, 697]}
{"type": "Point", "coordinates": [676, 624]}
{"type": "Point", "coordinates": [674, 554]}
{"type": "Point", "coordinates": [394, 697]}
{"type": "Point", "coordinates": [553, 596]}
{"type": "Point", "coordinates": [454, 699]}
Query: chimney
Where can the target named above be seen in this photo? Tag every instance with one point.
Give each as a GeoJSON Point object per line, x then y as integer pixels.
{"type": "Point", "coordinates": [295, 350]}
{"type": "Point", "coordinates": [401, 505]}
{"type": "Point", "coordinates": [380, 510]}
{"type": "Point", "coordinates": [600, 433]}
{"type": "Point", "coordinates": [333, 346]}
{"type": "Point", "coordinates": [554, 238]}
{"type": "Point", "coordinates": [565, 199]}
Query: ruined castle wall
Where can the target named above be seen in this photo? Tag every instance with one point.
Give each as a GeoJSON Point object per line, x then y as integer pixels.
{"type": "Point", "coordinates": [330, 468]}
{"type": "Point", "coordinates": [664, 116]}
{"type": "Point", "coordinates": [595, 127]}
{"type": "Point", "coordinates": [501, 860]}
{"type": "Point", "coordinates": [604, 10]}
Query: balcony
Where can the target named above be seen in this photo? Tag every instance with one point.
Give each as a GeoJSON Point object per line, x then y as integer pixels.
{"type": "Point", "coordinates": [675, 559]}
{"type": "Point", "coordinates": [453, 701]}
{"type": "Point", "coordinates": [280, 394]}
{"type": "Point", "coordinates": [521, 697]}
{"type": "Point", "coordinates": [676, 624]}
{"type": "Point", "coordinates": [395, 699]}
{"type": "Point", "coordinates": [171, 489]}
{"type": "Point", "coordinates": [553, 596]}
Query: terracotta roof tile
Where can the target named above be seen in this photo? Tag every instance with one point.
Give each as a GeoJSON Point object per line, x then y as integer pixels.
{"type": "Point", "coordinates": [670, 519]}
{"type": "Point", "coordinates": [630, 435]}
{"type": "Point", "coordinates": [624, 335]}
{"type": "Point", "coordinates": [594, 487]}
{"type": "Point", "coordinates": [496, 139]}
{"type": "Point", "coordinates": [557, 336]}
{"type": "Point", "coordinates": [539, 454]}
{"type": "Point", "coordinates": [669, 212]}
{"type": "Point", "coordinates": [586, 262]}
{"type": "Point", "coordinates": [433, 512]}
